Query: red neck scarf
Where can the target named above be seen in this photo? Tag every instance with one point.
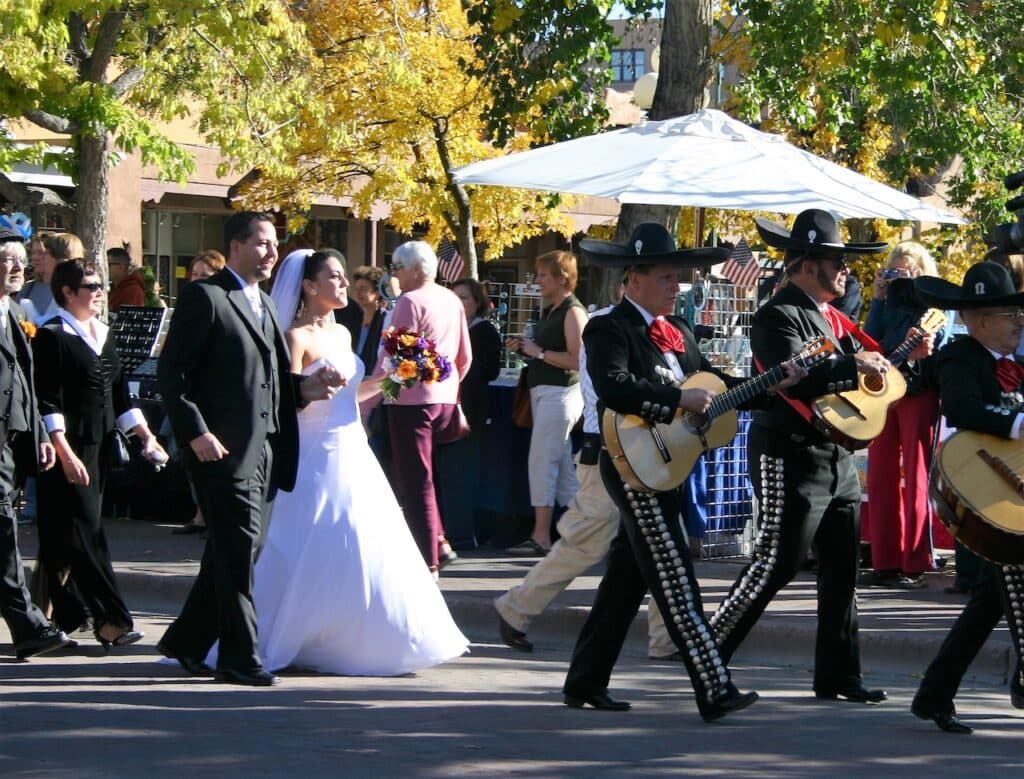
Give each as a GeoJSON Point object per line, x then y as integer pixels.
{"type": "Point", "coordinates": [665, 337]}
{"type": "Point", "coordinates": [1009, 374]}
{"type": "Point", "coordinates": [839, 324]}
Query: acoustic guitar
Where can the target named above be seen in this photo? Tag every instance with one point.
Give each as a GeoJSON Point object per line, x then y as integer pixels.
{"type": "Point", "coordinates": [657, 457]}
{"type": "Point", "coordinates": [977, 489]}
{"type": "Point", "coordinates": [853, 419]}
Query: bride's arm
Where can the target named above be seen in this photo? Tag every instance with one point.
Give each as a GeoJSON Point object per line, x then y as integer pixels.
{"type": "Point", "coordinates": [297, 347]}
{"type": "Point", "coordinates": [369, 388]}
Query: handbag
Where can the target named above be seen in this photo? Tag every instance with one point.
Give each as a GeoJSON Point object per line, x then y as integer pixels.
{"type": "Point", "coordinates": [457, 429]}
{"type": "Point", "coordinates": [119, 454]}
{"type": "Point", "coordinates": [522, 414]}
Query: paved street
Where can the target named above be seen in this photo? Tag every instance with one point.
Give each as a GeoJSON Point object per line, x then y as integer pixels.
{"type": "Point", "coordinates": [497, 712]}
{"type": "Point", "coordinates": [491, 713]}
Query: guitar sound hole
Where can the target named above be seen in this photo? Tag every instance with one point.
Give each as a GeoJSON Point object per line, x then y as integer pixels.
{"type": "Point", "coordinates": [874, 383]}
{"type": "Point", "coordinates": [695, 422]}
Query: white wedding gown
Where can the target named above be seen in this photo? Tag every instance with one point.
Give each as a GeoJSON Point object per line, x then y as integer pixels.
{"type": "Point", "coordinates": [340, 585]}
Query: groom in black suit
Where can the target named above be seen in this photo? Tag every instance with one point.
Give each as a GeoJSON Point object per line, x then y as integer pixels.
{"type": "Point", "coordinates": [225, 376]}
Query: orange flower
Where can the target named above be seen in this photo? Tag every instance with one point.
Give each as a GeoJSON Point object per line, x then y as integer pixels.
{"type": "Point", "coordinates": [28, 328]}
{"type": "Point", "coordinates": [406, 370]}
{"type": "Point", "coordinates": [408, 340]}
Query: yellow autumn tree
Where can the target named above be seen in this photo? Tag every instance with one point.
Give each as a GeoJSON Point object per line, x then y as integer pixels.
{"type": "Point", "coordinates": [396, 114]}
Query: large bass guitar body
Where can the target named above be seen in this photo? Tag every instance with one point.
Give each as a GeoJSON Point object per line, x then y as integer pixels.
{"type": "Point", "coordinates": [977, 489]}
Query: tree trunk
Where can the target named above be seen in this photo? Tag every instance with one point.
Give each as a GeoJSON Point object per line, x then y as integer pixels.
{"type": "Point", "coordinates": [684, 75]}
{"type": "Point", "coordinates": [92, 197]}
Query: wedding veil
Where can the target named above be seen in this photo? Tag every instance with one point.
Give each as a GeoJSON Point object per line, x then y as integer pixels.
{"type": "Point", "coordinates": [287, 290]}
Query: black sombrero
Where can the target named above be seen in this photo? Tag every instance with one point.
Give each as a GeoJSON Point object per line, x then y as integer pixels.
{"type": "Point", "coordinates": [650, 243]}
{"type": "Point", "coordinates": [814, 231]}
{"type": "Point", "coordinates": [986, 285]}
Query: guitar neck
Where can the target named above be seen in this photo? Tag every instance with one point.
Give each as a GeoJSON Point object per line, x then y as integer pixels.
{"type": "Point", "coordinates": [899, 355]}
{"type": "Point", "coordinates": [741, 393]}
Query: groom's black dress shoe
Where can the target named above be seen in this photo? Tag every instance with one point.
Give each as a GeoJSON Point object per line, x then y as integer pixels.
{"type": "Point", "coordinates": [514, 638]}
{"type": "Point", "coordinates": [190, 664]}
{"type": "Point", "coordinates": [946, 721]}
{"type": "Point", "coordinates": [1017, 696]}
{"type": "Point", "coordinates": [257, 677]}
{"type": "Point", "coordinates": [599, 700]}
{"type": "Point", "coordinates": [728, 701]}
{"type": "Point", "coordinates": [855, 694]}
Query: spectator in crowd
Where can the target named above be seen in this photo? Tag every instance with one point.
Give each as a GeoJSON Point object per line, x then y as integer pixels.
{"type": "Point", "coordinates": [426, 414]}
{"type": "Point", "coordinates": [899, 459]}
{"type": "Point", "coordinates": [366, 329]}
{"type": "Point", "coordinates": [127, 287]}
{"type": "Point", "coordinates": [205, 264]}
{"type": "Point", "coordinates": [83, 396]}
{"type": "Point", "coordinates": [458, 463]}
{"type": "Point", "coordinates": [555, 398]}
{"type": "Point", "coordinates": [36, 297]}
{"type": "Point", "coordinates": [850, 302]}
{"type": "Point", "coordinates": [366, 291]}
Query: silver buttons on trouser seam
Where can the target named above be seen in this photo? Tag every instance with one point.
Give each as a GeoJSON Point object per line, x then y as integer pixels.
{"type": "Point", "coordinates": [678, 591]}
{"type": "Point", "coordinates": [765, 554]}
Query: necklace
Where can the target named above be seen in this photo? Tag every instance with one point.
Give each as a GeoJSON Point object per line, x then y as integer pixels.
{"type": "Point", "coordinates": [317, 321]}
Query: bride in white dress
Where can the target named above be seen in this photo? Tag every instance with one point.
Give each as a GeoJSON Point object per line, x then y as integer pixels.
{"type": "Point", "coordinates": [340, 586]}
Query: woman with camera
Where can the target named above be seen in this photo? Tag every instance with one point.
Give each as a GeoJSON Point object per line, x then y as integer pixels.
{"type": "Point", "coordinates": [900, 520]}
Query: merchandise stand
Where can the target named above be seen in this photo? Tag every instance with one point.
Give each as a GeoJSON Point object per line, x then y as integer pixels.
{"type": "Point", "coordinates": [727, 309]}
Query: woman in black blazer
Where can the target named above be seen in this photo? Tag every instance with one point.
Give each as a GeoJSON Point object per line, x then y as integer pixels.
{"type": "Point", "coordinates": [82, 397]}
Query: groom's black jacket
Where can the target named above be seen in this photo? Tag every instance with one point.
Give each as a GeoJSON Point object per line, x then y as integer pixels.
{"type": "Point", "coordinates": [224, 372]}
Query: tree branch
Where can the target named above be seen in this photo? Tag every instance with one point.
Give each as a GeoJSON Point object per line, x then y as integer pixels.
{"type": "Point", "coordinates": [78, 37]}
{"type": "Point", "coordinates": [95, 67]}
{"type": "Point", "coordinates": [124, 83]}
{"type": "Point", "coordinates": [52, 122]}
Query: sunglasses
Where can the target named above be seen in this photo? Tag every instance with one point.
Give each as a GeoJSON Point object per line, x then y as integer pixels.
{"type": "Point", "coordinates": [92, 286]}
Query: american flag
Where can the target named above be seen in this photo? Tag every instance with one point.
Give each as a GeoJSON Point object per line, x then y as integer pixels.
{"type": "Point", "coordinates": [450, 263]}
{"type": "Point", "coordinates": [741, 268]}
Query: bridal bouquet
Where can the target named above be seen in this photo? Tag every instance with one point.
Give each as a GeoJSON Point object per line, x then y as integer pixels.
{"type": "Point", "coordinates": [413, 357]}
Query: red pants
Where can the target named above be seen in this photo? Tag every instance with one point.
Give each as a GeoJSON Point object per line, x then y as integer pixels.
{"type": "Point", "coordinates": [901, 516]}
{"type": "Point", "coordinates": [414, 431]}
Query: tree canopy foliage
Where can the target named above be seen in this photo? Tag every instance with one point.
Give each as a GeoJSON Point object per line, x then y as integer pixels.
{"type": "Point", "coordinates": [402, 107]}
{"type": "Point", "coordinates": [546, 64]}
{"type": "Point", "coordinates": [110, 71]}
{"type": "Point", "coordinates": [925, 91]}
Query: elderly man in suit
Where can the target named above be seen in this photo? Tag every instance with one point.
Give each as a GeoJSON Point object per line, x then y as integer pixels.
{"type": "Point", "coordinates": [981, 382]}
{"type": "Point", "coordinates": [21, 439]}
{"type": "Point", "coordinates": [224, 375]}
{"type": "Point", "coordinates": [637, 355]}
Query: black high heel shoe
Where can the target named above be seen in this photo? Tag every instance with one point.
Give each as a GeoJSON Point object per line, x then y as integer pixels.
{"type": "Point", "coordinates": [126, 638]}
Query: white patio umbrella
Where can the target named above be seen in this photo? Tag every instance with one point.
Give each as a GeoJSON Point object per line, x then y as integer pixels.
{"type": "Point", "coordinates": [706, 159]}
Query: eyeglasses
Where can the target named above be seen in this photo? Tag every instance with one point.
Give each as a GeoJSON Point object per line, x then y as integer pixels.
{"type": "Point", "coordinates": [92, 286]}
{"type": "Point", "coordinates": [1017, 316]}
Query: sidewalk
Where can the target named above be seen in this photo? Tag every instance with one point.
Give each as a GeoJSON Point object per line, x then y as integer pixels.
{"type": "Point", "coordinates": [899, 630]}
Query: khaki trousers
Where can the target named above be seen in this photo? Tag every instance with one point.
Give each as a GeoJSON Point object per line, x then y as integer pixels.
{"type": "Point", "coordinates": [586, 529]}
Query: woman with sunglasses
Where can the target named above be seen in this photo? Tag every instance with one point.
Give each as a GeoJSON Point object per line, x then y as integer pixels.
{"type": "Point", "coordinates": [82, 397]}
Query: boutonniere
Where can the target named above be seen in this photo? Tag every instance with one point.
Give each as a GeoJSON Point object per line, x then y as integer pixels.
{"type": "Point", "coordinates": [27, 327]}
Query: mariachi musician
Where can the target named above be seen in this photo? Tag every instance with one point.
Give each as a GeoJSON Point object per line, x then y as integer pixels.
{"type": "Point", "coordinates": [980, 385]}
{"type": "Point", "coordinates": [808, 489]}
{"type": "Point", "coordinates": [636, 354]}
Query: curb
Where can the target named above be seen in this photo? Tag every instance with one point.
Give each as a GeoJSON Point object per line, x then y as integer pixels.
{"type": "Point", "coordinates": [776, 640]}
